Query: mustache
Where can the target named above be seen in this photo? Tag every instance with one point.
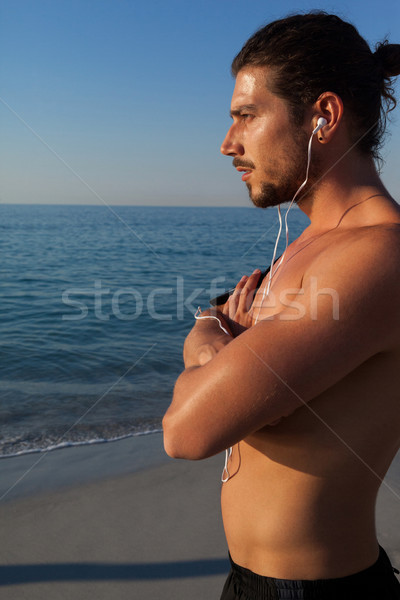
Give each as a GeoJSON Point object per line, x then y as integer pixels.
{"type": "Point", "coordinates": [237, 162]}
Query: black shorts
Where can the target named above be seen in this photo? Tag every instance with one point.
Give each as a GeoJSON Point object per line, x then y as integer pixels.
{"type": "Point", "coordinates": [378, 582]}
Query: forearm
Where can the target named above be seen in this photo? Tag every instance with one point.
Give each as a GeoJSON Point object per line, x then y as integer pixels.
{"type": "Point", "coordinates": [182, 439]}
{"type": "Point", "coordinates": [192, 428]}
{"type": "Point", "coordinates": [183, 423]}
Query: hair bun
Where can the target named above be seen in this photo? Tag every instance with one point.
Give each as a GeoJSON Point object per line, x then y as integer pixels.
{"type": "Point", "coordinates": [388, 56]}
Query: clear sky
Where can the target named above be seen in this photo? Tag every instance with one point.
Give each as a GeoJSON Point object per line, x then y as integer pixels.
{"type": "Point", "coordinates": [127, 102]}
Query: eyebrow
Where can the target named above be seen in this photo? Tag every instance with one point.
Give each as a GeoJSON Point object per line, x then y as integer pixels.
{"type": "Point", "coordinates": [243, 108]}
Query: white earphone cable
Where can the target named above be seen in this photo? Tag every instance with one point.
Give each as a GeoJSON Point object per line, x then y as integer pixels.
{"type": "Point", "coordinates": [272, 271]}
{"type": "Point", "coordinates": [198, 317]}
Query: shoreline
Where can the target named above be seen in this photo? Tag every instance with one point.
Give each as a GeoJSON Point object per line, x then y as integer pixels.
{"type": "Point", "coordinates": [124, 520]}
{"type": "Point", "coordinates": [40, 472]}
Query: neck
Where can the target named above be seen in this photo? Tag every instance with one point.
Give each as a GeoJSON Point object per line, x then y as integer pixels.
{"type": "Point", "coordinates": [347, 183]}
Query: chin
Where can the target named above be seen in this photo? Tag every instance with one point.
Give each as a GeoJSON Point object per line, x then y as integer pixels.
{"type": "Point", "coordinates": [267, 196]}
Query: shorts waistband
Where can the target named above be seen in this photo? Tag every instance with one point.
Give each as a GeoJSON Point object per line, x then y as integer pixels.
{"type": "Point", "coordinates": [270, 588]}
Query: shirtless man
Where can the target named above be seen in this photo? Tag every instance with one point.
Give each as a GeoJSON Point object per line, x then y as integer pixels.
{"type": "Point", "coordinates": [304, 384]}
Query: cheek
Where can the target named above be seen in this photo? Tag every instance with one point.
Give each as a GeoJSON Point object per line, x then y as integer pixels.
{"type": "Point", "coordinates": [270, 156]}
{"type": "Point", "coordinates": [264, 141]}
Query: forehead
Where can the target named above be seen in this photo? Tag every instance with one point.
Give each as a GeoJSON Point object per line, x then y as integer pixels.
{"type": "Point", "coordinates": [253, 86]}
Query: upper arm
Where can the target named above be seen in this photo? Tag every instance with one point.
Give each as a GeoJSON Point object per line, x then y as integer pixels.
{"type": "Point", "coordinates": [344, 315]}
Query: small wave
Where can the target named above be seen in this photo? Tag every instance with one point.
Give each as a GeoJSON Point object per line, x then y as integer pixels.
{"type": "Point", "coordinates": [69, 444]}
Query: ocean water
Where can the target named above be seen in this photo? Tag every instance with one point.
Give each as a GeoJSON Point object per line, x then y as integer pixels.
{"type": "Point", "coordinates": [95, 303]}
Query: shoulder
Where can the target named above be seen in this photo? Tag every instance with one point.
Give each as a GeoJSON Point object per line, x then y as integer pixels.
{"type": "Point", "coordinates": [372, 253]}
{"type": "Point", "coordinates": [359, 269]}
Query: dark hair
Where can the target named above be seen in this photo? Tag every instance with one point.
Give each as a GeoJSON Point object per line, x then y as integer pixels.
{"type": "Point", "coordinates": [318, 52]}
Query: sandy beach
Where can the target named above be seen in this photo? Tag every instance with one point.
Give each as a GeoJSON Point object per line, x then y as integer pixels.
{"type": "Point", "coordinates": [121, 520]}
{"type": "Point", "coordinates": [154, 532]}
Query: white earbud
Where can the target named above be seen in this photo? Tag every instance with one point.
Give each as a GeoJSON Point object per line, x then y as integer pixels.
{"type": "Point", "coordinates": [320, 123]}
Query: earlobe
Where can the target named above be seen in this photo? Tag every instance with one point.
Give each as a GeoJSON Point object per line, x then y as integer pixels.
{"type": "Point", "coordinates": [320, 124]}
{"type": "Point", "coordinates": [330, 105]}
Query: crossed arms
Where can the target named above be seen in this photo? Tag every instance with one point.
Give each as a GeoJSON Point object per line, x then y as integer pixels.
{"type": "Point", "coordinates": [234, 386]}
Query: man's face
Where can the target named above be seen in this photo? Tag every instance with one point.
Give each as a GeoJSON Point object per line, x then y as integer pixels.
{"type": "Point", "coordinates": [267, 148]}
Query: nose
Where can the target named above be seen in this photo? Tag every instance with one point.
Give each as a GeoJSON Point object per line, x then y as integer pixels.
{"type": "Point", "coordinates": [231, 146]}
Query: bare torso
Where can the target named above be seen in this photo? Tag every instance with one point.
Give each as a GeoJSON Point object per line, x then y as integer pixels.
{"type": "Point", "coordinates": [300, 502]}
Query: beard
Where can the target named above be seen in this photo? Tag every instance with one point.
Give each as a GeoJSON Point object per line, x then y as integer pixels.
{"type": "Point", "coordinates": [289, 179]}
{"type": "Point", "coordinates": [272, 194]}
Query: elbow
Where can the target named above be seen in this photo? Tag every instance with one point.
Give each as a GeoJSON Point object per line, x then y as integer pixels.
{"type": "Point", "coordinates": [178, 444]}
{"type": "Point", "coordinates": [170, 445]}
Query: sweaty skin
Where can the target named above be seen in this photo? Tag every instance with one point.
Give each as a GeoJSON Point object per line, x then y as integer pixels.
{"type": "Point", "coordinates": [308, 395]}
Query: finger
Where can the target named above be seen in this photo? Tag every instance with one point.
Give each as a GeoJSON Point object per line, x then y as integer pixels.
{"type": "Point", "coordinates": [205, 355]}
{"type": "Point", "coordinates": [240, 285]}
{"type": "Point", "coordinates": [232, 304]}
{"type": "Point", "coordinates": [248, 291]}
{"type": "Point", "coordinates": [235, 296]}
{"type": "Point", "coordinates": [253, 279]}
{"type": "Point", "coordinates": [227, 307]}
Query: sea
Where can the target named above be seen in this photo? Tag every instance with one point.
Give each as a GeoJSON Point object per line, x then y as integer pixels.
{"type": "Point", "coordinates": [95, 304]}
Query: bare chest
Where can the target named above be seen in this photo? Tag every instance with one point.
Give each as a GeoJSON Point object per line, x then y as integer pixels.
{"type": "Point", "coordinates": [280, 290]}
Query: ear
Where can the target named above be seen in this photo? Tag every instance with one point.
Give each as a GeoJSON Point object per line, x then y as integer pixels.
{"type": "Point", "coordinates": [330, 106]}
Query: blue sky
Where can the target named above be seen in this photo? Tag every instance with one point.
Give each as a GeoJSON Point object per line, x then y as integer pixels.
{"type": "Point", "coordinates": [127, 102]}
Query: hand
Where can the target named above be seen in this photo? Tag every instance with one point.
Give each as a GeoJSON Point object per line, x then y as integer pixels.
{"type": "Point", "coordinates": [206, 338]}
{"type": "Point", "coordinates": [205, 353]}
{"type": "Point", "coordinates": [238, 308]}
